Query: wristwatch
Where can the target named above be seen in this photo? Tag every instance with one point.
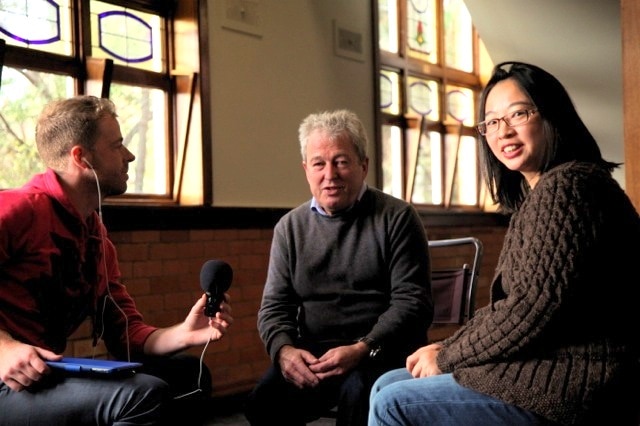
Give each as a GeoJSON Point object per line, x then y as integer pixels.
{"type": "Point", "coordinates": [374, 347]}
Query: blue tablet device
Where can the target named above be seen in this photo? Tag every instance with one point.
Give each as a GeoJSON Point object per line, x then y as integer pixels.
{"type": "Point", "coordinates": [98, 366]}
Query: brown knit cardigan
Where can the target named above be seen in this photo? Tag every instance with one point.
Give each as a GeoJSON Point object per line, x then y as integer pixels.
{"type": "Point", "coordinates": [560, 334]}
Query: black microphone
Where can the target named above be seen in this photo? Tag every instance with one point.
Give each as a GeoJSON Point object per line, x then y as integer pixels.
{"type": "Point", "coordinates": [215, 279]}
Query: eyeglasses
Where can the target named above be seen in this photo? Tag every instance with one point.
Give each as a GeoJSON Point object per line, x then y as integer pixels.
{"type": "Point", "coordinates": [513, 119]}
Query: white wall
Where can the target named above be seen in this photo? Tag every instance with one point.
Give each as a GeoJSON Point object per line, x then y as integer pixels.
{"type": "Point", "coordinates": [264, 85]}
{"type": "Point", "coordinates": [578, 41]}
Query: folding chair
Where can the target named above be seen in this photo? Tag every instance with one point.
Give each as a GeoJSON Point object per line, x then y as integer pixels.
{"type": "Point", "coordinates": [453, 287]}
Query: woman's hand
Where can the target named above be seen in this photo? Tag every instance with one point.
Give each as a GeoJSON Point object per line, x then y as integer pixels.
{"type": "Point", "coordinates": [422, 363]}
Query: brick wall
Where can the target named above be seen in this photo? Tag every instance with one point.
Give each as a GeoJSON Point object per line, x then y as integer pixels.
{"type": "Point", "coordinates": [161, 270]}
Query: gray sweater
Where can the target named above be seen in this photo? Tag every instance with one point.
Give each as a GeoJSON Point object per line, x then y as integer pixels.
{"type": "Point", "coordinates": [334, 279]}
{"type": "Point", "coordinates": [560, 335]}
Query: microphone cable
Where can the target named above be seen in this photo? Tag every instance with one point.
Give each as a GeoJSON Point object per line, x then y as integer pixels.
{"type": "Point", "coordinates": [126, 319]}
{"type": "Point", "coordinates": [200, 371]}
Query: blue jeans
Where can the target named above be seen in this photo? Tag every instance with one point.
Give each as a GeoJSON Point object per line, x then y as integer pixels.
{"type": "Point", "coordinates": [399, 399]}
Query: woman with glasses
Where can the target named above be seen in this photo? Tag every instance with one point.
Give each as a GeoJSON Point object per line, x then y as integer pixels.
{"type": "Point", "coordinates": [558, 342]}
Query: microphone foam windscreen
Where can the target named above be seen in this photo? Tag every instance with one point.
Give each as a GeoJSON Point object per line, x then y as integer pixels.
{"type": "Point", "coordinates": [215, 276]}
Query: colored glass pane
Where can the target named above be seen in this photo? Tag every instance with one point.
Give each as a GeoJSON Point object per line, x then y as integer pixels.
{"type": "Point", "coordinates": [460, 105]}
{"type": "Point", "coordinates": [423, 98]}
{"type": "Point", "coordinates": [37, 24]}
{"type": "Point", "coordinates": [389, 92]}
{"type": "Point", "coordinates": [421, 30]}
{"type": "Point", "coordinates": [128, 37]}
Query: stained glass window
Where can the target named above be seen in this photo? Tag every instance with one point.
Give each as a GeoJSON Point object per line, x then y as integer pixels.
{"type": "Point", "coordinates": [50, 62]}
{"type": "Point", "coordinates": [428, 141]}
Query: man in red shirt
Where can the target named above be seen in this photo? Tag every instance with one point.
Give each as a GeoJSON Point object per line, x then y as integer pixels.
{"type": "Point", "coordinates": [57, 267]}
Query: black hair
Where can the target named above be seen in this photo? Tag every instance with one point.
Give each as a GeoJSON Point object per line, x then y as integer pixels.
{"type": "Point", "coordinates": [567, 137]}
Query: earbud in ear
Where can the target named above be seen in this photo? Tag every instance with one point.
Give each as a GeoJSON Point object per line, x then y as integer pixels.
{"type": "Point", "coordinates": [87, 163]}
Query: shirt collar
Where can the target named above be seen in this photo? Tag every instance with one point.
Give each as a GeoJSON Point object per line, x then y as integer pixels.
{"type": "Point", "coordinates": [316, 207]}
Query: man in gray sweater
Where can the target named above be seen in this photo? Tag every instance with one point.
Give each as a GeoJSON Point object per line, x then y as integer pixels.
{"type": "Point", "coordinates": [348, 292]}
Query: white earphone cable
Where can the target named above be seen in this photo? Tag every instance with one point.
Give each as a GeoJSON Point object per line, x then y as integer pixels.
{"type": "Point", "coordinates": [106, 273]}
{"type": "Point", "coordinates": [110, 297]}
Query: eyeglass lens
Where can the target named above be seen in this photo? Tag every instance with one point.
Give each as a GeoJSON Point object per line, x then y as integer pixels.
{"type": "Point", "coordinates": [515, 118]}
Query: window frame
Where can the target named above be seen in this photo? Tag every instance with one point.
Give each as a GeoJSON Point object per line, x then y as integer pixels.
{"type": "Point", "coordinates": [402, 63]}
{"type": "Point", "coordinates": [188, 158]}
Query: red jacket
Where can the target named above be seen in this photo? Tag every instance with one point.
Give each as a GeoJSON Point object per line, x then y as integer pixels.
{"type": "Point", "coordinates": [54, 270]}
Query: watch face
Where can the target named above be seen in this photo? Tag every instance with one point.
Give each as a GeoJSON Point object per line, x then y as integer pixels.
{"type": "Point", "coordinates": [373, 353]}
{"type": "Point", "coordinates": [374, 348]}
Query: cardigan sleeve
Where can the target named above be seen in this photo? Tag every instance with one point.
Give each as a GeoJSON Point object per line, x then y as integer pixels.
{"type": "Point", "coordinates": [546, 254]}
